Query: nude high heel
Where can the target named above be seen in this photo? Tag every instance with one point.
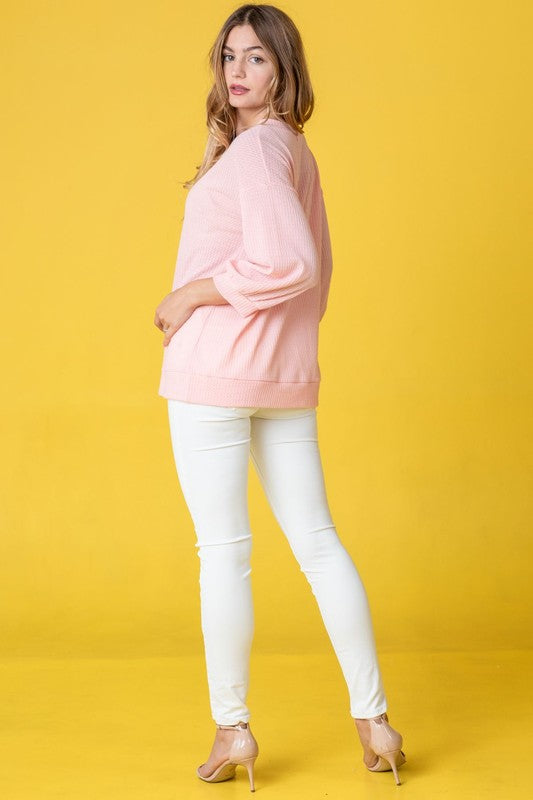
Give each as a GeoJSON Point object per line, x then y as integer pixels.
{"type": "Point", "coordinates": [385, 742]}
{"type": "Point", "coordinates": [243, 751]}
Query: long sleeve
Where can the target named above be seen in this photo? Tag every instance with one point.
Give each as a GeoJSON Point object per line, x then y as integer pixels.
{"type": "Point", "coordinates": [280, 254]}
{"type": "Point", "coordinates": [327, 261]}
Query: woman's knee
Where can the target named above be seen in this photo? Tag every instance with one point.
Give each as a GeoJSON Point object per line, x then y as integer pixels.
{"type": "Point", "coordinates": [314, 547]}
{"type": "Point", "coordinates": [226, 557]}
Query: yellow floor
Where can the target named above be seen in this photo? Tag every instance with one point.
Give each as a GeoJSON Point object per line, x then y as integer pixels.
{"type": "Point", "coordinates": [109, 728]}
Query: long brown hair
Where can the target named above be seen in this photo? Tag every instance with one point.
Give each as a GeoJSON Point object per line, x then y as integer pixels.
{"type": "Point", "coordinates": [290, 94]}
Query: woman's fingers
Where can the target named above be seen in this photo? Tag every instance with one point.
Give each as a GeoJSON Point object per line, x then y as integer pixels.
{"type": "Point", "coordinates": [169, 333]}
{"type": "Point", "coordinates": [177, 305]}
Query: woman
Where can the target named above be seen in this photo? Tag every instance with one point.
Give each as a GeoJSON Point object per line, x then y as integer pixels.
{"type": "Point", "coordinates": [241, 377]}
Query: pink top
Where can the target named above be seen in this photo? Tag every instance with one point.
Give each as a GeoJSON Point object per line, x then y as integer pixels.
{"type": "Point", "coordinates": [255, 222]}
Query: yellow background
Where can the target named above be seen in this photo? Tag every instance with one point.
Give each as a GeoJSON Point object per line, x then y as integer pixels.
{"type": "Point", "coordinates": [422, 132]}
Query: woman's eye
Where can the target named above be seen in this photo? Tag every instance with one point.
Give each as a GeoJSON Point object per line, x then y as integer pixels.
{"type": "Point", "coordinates": [228, 55]}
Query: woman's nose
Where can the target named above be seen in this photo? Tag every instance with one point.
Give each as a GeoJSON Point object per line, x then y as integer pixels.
{"type": "Point", "coordinates": [238, 69]}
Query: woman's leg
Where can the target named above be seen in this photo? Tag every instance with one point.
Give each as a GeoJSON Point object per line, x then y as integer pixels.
{"type": "Point", "coordinates": [285, 453]}
{"type": "Point", "coordinates": [211, 450]}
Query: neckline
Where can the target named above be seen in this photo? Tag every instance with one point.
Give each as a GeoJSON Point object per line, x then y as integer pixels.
{"type": "Point", "coordinates": [264, 122]}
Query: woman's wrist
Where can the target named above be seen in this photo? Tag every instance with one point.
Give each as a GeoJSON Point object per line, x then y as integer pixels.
{"type": "Point", "coordinates": [203, 292]}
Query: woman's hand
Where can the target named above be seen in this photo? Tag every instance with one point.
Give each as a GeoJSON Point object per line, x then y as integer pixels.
{"type": "Point", "coordinates": [177, 307]}
{"type": "Point", "coordinates": [174, 310]}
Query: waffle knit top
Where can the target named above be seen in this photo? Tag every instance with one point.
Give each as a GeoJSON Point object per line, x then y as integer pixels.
{"type": "Point", "coordinates": [256, 223]}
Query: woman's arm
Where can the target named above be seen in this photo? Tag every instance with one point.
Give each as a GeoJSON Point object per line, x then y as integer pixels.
{"type": "Point", "coordinates": [203, 292]}
{"type": "Point", "coordinates": [177, 307]}
{"type": "Point", "coordinates": [327, 260]}
{"type": "Point", "coordinates": [279, 259]}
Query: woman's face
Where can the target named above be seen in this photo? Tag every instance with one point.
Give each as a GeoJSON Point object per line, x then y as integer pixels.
{"type": "Point", "coordinates": [246, 64]}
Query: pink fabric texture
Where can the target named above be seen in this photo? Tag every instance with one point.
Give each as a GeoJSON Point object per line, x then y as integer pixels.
{"type": "Point", "coordinates": [256, 223]}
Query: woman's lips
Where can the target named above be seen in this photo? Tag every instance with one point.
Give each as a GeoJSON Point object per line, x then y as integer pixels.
{"type": "Point", "coordinates": [238, 90]}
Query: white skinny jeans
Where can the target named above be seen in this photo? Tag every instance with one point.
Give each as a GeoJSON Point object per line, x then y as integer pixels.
{"type": "Point", "coordinates": [212, 446]}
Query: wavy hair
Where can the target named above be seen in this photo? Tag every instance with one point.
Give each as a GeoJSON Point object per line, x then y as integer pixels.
{"type": "Point", "coordinates": [289, 95]}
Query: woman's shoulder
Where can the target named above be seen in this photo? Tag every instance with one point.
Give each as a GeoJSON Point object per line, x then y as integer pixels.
{"type": "Point", "coordinates": [270, 131]}
{"type": "Point", "coordinates": [264, 145]}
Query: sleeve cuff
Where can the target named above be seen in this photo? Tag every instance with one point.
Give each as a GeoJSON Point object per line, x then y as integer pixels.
{"type": "Point", "coordinates": [240, 303]}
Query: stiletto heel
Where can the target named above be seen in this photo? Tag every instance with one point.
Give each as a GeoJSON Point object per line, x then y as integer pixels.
{"type": "Point", "coordinates": [249, 764]}
{"type": "Point", "coordinates": [384, 742]}
{"type": "Point", "coordinates": [243, 751]}
{"type": "Point", "coordinates": [395, 759]}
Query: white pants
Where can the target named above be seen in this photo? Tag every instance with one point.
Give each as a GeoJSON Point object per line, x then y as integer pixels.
{"type": "Point", "coordinates": [212, 446]}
